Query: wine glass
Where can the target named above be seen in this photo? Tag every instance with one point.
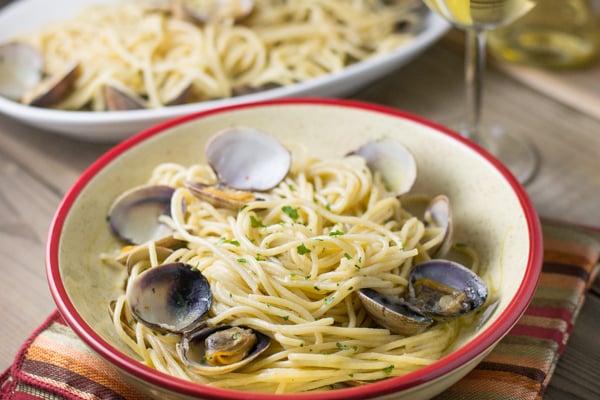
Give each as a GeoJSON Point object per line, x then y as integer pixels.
{"type": "Point", "coordinates": [477, 17]}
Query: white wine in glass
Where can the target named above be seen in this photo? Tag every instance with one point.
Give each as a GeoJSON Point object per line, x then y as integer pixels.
{"type": "Point", "coordinates": [477, 17]}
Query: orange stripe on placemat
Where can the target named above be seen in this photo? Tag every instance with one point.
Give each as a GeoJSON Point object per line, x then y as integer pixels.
{"type": "Point", "coordinates": [560, 280]}
{"type": "Point", "coordinates": [45, 352]}
{"type": "Point", "coordinates": [492, 383]}
{"type": "Point", "coordinates": [569, 252]}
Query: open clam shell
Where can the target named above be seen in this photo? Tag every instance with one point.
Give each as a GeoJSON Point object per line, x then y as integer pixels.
{"type": "Point", "coordinates": [438, 289]}
{"type": "Point", "coordinates": [134, 215]}
{"type": "Point", "coordinates": [21, 69]}
{"type": "Point", "coordinates": [118, 97]}
{"type": "Point", "coordinates": [440, 214]}
{"type": "Point", "coordinates": [54, 88]}
{"type": "Point", "coordinates": [393, 161]}
{"type": "Point", "coordinates": [247, 159]}
{"type": "Point", "coordinates": [394, 313]}
{"type": "Point", "coordinates": [221, 349]}
{"type": "Point", "coordinates": [170, 298]}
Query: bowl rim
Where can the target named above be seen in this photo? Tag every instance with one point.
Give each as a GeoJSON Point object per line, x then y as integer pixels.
{"type": "Point", "coordinates": [439, 368]}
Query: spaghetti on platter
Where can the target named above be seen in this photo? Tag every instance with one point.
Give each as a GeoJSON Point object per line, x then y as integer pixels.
{"type": "Point", "coordinates": [289, 265]}
{"type": "Point", "coordinates": [159, 59]}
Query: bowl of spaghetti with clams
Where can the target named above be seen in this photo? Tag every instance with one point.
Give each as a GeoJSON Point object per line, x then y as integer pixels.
{"type": "Point", "coordinates": [290, 261]}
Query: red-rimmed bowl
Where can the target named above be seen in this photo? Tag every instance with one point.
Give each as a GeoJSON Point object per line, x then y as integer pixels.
{"type": "Point", "coordinates": [491, 211]}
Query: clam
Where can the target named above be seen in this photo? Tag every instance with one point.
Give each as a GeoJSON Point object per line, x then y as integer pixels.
{"type": "Point", "coordinates": [211, 11]}
{"type": "Point", "coordinates": [220, 196]}
{"type": "Point", "coordinates": [21, 69]}
{"type": "Point", "coordinates": [53, 89]}
{"type": "Point", "coordinates": [394, 313]}
{"type": "Point", "coordinates": [393, 161]}
{"type": "Point", "coordinates": [117, 97]}
{"type": "Point", "coordinates": [247, 159]}
{"type": "Point", "coordinates": [438, 290]}
{"type": "Point", "coordinates": [134, 215]}
{"type": "Point", "coordinates": [170, 298]}
{"type": "Point", "coordinates": [221, 349]}
{"type": "Point", "coordinates": [142, 253]}
{"type": "Point", "coordinates": [439, 213]}
{"type": "Point", "coordinates": [444, 288]}
{"type": "Point", "coordinates": [181, 96]}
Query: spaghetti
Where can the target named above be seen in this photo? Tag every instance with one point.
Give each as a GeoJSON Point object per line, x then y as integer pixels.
{"type": "Point", "coordinates": [289, 265]}
{"type": "Point", "coordinates": [159, 59]}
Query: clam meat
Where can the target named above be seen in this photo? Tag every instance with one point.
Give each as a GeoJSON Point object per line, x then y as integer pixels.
{"type": "Point", "coordinates": [444, 288]}
{"type": "Point", "coordinates": [221, 349]}
{"type": "Point", "coordinates": [171, 298]}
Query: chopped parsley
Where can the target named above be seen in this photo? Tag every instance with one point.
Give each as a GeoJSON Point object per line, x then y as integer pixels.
{"type": "Point", "coordinates": [302, 250]}
{"type": "Point", "coordinates": [232, 242]}
{"type": "Point", "coordinates": [336, 233]}
{"type": "Point", "coordinates": [342, 346]}
{"type": "Point", "coordinates": [290, 211]}
{"type": "Point", "coordinates": [388, 370]}
{"type": "Point", "coordinates": [255, 222]}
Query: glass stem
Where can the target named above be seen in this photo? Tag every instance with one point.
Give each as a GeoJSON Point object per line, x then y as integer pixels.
{"type": "Point", "coordinates": [474, 70]}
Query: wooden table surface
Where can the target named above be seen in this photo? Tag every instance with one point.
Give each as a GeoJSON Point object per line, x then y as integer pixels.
{"type": "Point", "coordinates": [38, 167]}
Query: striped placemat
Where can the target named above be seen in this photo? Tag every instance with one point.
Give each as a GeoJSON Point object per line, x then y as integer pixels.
{"type": "Point", "coordinates": [55, 364]}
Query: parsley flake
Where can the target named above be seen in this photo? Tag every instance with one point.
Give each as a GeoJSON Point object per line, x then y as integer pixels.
{"type": "Point", "coordinates": [302, 250]}
{"type": "Point", "coordinates": [290, 211]}
{"type": "Point", "coordinates": [255, 222]}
